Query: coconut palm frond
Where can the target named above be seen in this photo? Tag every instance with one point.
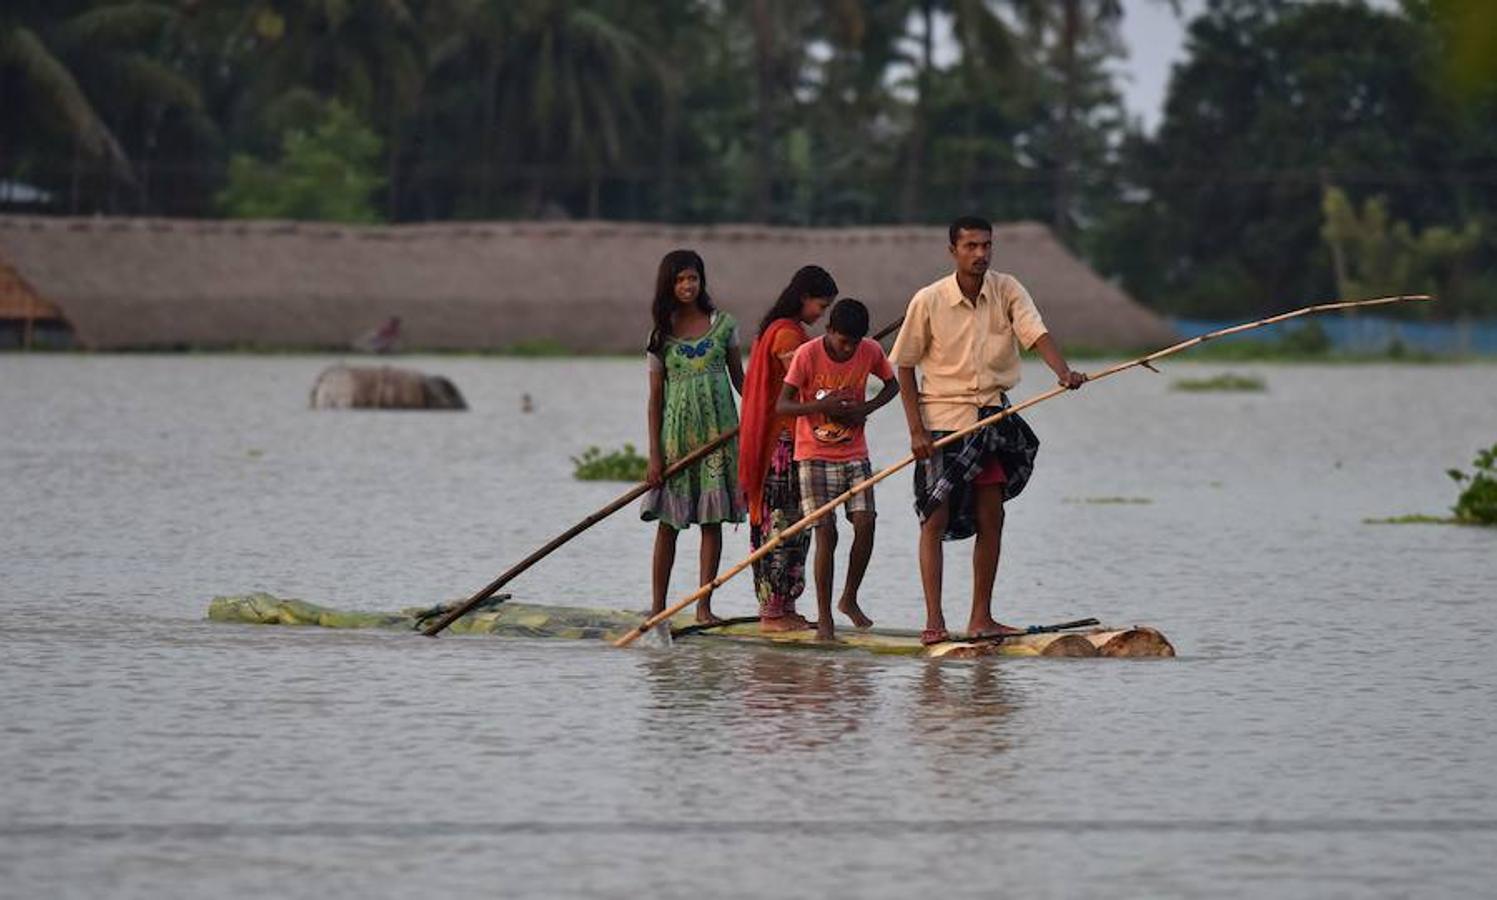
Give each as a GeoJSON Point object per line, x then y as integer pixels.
{"type": "Point", "coordinates": [356, 82]}
{"type": "Point", "coordinates": [151, 80]}
{"type": "Point", "coordinates": [988, 44]}
{"type": "Point", "coordinates": [404, 71]}
{"type": "Point", "coordinates": [593, 28]}
{"type": "Point", "coordinates": [334, 12]}
{"type": "Point", "coordinates": [117, 24]}
{"type": "Point", "coordinates": [45, 74]}
{"type": "Point", "coordinates": [292, 108]}
{"type": "Point", "coordinates": [449, 50]}
{"type": "Point", "coordinates": [398, 11]}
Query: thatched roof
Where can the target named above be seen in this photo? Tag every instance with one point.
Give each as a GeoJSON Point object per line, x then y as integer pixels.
{"type": "Point", "coordinates": [140, 283]}
{"type": "Point", "coordinates": [19, 301]}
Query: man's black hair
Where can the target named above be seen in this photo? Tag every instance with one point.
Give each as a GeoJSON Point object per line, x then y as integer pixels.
{"type": "Point", "coordinates": [849, 317]}
{"type": "Point", "coordinates": [968, 223]}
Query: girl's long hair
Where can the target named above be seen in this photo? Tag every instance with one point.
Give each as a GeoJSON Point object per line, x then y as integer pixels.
{"type": "Point", "coordinates": [808, 281]}
{"type": "Point", "coordinates": [665, 303]}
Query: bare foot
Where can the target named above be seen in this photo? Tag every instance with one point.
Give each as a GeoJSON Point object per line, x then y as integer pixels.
{"type": "Point", "coordinates": [705, 616]}
{"type": "Point", "coordinates": [826, 631]}
{"type": "Point", "coordinates": [801, 622]}
{"type": "Point", "coordinates": [782, 623]}
{"type": "Point", "coordinates": [853, 611]}
{"type": "Point", "coordinates": [991, 628]}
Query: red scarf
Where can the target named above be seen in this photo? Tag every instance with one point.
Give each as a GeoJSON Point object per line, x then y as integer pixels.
{"type": "Point", "coordinates": [759, 426]}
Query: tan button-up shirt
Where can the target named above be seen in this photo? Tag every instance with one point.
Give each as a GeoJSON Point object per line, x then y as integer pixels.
{"type": "Point", "coordinates": [967, 352]}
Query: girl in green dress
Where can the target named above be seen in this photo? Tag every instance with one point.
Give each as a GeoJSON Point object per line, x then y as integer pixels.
{"type": "Point", "coordinates": [693, 355]}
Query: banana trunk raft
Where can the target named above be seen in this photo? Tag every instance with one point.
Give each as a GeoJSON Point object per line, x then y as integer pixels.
{"type": "Point", "coordinates": [532, 620]}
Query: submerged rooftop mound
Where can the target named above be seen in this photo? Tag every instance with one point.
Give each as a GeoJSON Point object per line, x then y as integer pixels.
{"type": "Point", "coordinates": [135, 283]}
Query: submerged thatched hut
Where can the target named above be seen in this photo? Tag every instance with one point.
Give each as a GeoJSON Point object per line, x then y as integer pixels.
{"type": "Point", "coordinates": [155, 283]}
{"type": "Point", "coordinates": [26, 320]}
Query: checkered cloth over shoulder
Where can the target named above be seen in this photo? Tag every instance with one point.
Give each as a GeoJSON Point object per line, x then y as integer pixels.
{"type": "Point", "coordinates": [946, 477]}
{"type": "Point", "coordinates": [822, 481]}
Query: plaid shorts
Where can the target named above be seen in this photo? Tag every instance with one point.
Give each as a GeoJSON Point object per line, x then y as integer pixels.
{"type": "Point", "coordinates": [822, 481]}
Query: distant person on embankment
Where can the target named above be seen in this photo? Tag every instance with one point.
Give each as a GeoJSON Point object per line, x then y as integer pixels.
{"type": "Point", "coordinates": [694, 367]}
{"type": "Point", "coordinates": [385, 339]}
{"type": "Point", "coordinates": [827, 387]}
{"type": "Point", "coordinates": [766, 448]}
{"type": "Point", "coordinates": [963, 333]}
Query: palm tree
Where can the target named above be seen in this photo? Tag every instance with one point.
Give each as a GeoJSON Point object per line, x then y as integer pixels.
{"type": "Point", "coordinates": [1079, 22]}
{"type": "Point", "coordinates": [989, 52]}
{"type": "Point", "coordinates": [557, 84]}
{"type": "Point", "coordinates": [782, 34]}
{"type": "Point", "coordinates": [141, 58]}
{"type": "Point", "coordinates": [48, 92]}
{"type": "Point", "coordinates": [1077, 33]}
{"type": "Point", "coordinates": [672, 32]}
{"type": "Point", "coordinates": [846, 110]}
{"type": "Point", "coordinates": [356, 53]}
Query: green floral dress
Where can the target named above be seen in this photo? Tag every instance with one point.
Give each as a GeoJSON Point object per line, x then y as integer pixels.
{"type": "Point", "coordinates": [698, 407]}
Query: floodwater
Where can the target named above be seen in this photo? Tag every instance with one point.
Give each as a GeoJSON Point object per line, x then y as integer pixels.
{"type": "Point", "coordinates": [1329, 728]}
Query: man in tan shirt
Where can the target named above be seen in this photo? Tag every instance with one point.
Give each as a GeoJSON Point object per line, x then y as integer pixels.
{"type": "Point", "coordinates": [964, 332]}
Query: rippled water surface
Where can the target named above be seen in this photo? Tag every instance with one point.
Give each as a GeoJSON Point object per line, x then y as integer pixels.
{"type": "Point", "coordinates": [1328, 729]}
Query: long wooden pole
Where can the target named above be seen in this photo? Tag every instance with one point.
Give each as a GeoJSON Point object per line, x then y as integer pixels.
{"type": "Point", "coordinates": [1143, 361]}
{"type": "Point", "coordinates": [623, 500]}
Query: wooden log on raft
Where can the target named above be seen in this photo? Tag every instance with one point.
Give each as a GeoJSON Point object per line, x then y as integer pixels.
{"type": "Point", "coordinates": [1062, 644]}
{"type": "Point", "coordinates": [383, 387]}
{"type": "Point", "coordinates": [1136, 642]}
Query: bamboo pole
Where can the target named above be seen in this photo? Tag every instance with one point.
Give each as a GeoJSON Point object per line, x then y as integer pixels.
{"type": "Point", "coordinates": [1143, 361]}
{"type": "Point", "coordinates": [618, 503]}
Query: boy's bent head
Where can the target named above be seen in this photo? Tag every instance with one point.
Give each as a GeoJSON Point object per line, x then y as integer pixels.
{"type": "Point", "coordinates": [849, 318]}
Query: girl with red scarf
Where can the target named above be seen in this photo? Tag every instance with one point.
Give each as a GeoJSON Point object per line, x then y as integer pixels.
{"type": "Point", "coordinates": [766, 458]}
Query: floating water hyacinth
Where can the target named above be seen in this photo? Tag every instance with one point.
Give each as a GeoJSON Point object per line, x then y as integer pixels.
{"type": "Point", "coordinates": [1227, 381]}
{"type": "Point", "coordinates": [616, 465]}
{"type": "Point", "coordinates": [1477, 504]}
{"type": "Point", "coordinates": [1478, 501]}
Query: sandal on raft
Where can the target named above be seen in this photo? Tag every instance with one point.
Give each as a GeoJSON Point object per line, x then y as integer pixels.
{"type": "Point", "coordinates": [934, 636]}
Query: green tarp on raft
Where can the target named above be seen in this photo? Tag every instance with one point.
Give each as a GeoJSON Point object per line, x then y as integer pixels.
{"type": "Point", "coordinates": [512, 619]}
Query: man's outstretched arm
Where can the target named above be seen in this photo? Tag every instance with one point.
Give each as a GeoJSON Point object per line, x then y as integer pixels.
{"type": "Point", "coordinates": [1049, 350]}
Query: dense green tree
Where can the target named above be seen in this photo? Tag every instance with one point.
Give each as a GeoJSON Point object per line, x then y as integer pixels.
{"type": "Point", "coordinates": [1275, 102]}
{"type": "Point", "coordinates": [820, 113]}
{"type": "Point", "coordinates": [292, 56]}
{"type": "Point", "coordinates": [1372, 254]}
{"type": "Point", "coordinates": [327, 173]}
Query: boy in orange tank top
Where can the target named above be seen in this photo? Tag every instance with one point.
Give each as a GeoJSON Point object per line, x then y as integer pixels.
{"type": "Point", "coordinates": [827, 388]}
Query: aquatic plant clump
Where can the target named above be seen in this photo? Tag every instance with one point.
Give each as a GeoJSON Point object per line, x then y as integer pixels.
{"type": "Point", "coordinates": [1226, 381]}
{"type": "Point", "coordinates": [616, 465]}
{"type": "Point", "coordinates": [1411, 519]}
{"type": "Point", "coordinates": [1478, 501]}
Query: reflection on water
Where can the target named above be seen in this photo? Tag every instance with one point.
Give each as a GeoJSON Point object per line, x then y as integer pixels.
{"type": "Point", "coordinates": [788, 700]}
{"type": "Point", "coordinates": [957, 701]}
